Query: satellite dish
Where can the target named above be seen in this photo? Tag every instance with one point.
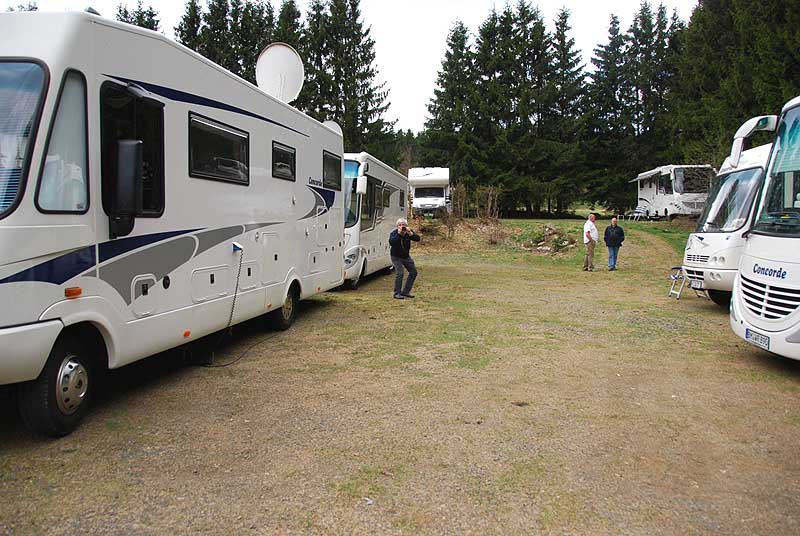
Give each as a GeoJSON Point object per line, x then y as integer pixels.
{"type": "Point", "coordinates": [334, 126]}
{"type": "Point", "coordinates": [279, 72]}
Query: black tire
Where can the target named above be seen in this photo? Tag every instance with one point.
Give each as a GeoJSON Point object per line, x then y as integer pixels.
{"type": "Point", "coordinates": [352, 284]}
{"type": "Point", "coordinates": [720, 297]}
{"type": "Point", "coordinates": [55, 403]}
{"type": "Point", "coordinates": [283, 318]}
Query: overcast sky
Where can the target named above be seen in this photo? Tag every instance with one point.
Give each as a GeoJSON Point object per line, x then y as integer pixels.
{"type": "Point", "coordinates": [410, 35]}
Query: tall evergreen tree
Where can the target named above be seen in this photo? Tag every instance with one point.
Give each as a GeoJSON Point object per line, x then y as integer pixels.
{"type": "Point", "coordinates": [190, 26]}
{"type": "Point", "coordinates": [288, 28]}
{"type": "Point", "coordinates": [215, 34]}
{"type": "Point", "coordinates": [145, 17]}
{"type": "Point", "coordinates": [252, 34]}
{"type": "Point", "coordinates": [30, 6]}
{"type": "Point", "coordinates": [315, 50]}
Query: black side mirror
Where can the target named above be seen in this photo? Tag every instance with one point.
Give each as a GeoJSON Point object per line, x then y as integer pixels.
{"type": "Point", "coordinates": [126, 193]}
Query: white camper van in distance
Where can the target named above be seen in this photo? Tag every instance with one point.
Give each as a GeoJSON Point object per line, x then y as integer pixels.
{"type": "Point", "coordinates": [148, 198]}
{"type": "Point", "coordinates": [370, 216]}
{"type": "Point", "coordinates": [674, 190]}
{"type": "Point", "coordinates": [430, 190]}
{"type": "Point", "coordinates": [713, 251]}
{"type": "Point", "coordinates": [765, 308]}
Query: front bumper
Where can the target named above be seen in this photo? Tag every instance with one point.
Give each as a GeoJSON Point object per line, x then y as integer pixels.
{"type": "Point", "coordinates": [785, 343]}
{"type": "Point", "coordinates": [711, 279]}
{"type": "Point", "coordinates": [24, 350]}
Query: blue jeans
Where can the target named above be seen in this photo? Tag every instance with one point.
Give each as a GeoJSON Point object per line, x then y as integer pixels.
{"type": "Point", "coordinates": [613, 251]}
{"type": "Point", "coordinates": [400, 265]}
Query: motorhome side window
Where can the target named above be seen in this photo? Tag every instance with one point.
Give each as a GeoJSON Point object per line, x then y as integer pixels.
{"type": "Point", "coordinates": [284, 161]}
{"type": "Point", "coordinates": [402, 197]}
{"type": "Point", "coordinates": [218, 151]}
{"type": "Point", "coordinates": [331, 171]}
{"type": "Point", "coordinates": [64, 181]}
{"type": "Point", "coordinates": [387, 194]}
{"type": "Point", "coordinates": [368, 205]}
{"type": "Point", "coordinates": [126, 116]}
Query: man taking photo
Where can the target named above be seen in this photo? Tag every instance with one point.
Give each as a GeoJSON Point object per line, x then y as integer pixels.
{"type": "Point", "coordinates": [400, 241]}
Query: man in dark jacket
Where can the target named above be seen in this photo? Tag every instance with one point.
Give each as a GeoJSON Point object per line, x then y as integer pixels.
{"type": "Point", "coordinates": [614, 236]}
{"type": "Point", "coordinates": [400, 241]}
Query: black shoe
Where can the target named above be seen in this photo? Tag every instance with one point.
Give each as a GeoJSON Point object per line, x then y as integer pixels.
{"type": "Point", "coordinates": [399, 297]}
{"type": "Point", "coordinates": [407, 295]}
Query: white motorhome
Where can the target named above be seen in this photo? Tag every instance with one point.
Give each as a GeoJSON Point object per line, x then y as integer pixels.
{"type": "Point", "coordinates": [148, 198]}
{"type": "Point", "coordinates": [370, 214]}
{"type": "Point", "coordinates": [765, 308]}
{"type": "Point", "coordinates": [430, 190]}
{"type": "Point", "coordinates": [713, 251]}
{"type": "Point", "coordinates": [674, 190]}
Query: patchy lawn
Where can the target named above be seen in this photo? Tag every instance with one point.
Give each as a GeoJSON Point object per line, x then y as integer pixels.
{"type": "Point", "coordinates": [516, 394]}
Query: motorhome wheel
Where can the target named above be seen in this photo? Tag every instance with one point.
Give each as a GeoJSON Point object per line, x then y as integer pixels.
{"type": "Point", "coordinates": [57, 400]}
{"type": "Point", "coordinates": [283, 318]}
{"type": "Point", "coordinates": [720, 297]}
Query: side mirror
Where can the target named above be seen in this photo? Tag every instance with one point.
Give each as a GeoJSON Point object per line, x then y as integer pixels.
{"type": "Point", "coordinates": [742, 137]}
{"type": "Point", "coordinates": [361, 184]}
{"type": "Point", "coordinates": [126, 193]}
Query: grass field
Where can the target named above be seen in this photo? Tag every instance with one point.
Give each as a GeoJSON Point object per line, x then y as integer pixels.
{"type": "Point", "coordinates": [515, 395]}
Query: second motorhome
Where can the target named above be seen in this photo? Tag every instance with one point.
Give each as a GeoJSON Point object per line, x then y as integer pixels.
{"type": "Point", "coordinates": [430, 190]}
{"type": "Point", "coordinates": [712, 254]}
{"type": "Point", "coordinates": [370, 216]}
{"type": "Point", "coordinates": [673, 190]}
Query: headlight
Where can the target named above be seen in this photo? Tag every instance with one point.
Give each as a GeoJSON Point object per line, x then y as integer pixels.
{"type": "Point", "coordinates": [721, 260]}
{"type": "Point", "coordinates": [351, 258]}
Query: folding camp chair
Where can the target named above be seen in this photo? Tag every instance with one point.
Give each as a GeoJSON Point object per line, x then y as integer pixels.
{"type": "Point", "coordinates": [636, 214]}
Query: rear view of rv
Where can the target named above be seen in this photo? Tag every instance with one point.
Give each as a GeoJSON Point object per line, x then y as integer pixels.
{"type": "Point", "coordinates": [430, 190]}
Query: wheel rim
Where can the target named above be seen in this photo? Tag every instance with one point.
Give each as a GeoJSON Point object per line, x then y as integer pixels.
{"type": "Point", "coordinates": [288, 307]}
{"type": "Point", "coordinates": [72, 385]}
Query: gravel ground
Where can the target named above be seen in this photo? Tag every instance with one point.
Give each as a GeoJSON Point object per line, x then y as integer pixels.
{"type": "Point", "coordinates": [514, 395]}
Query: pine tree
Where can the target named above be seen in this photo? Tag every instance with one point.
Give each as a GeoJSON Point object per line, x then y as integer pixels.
{"type": "Point", "coordinates": [190, 26]}
{"type": "Point", "coordinates": [30, 6]}
{"type": "Point", "coordinates": [288, 28]}
{"type": "Point", "coordinates": [252, 34]}
{"type": "Point", "coordinates": [315, 50]}
{"type": "Point", "coordinates": [145, 17]}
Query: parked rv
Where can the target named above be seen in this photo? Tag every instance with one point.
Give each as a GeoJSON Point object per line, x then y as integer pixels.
{"type": "Point", "coordinates": [430, 190]}
{"type": "Point", "coordinates": [370, 214]}
{"type": "Point", "coordinates": [712, 254]}
{"type": "Point", "coordinates": [673, 190]}
{"type": "Point", "coordinates": [765, 308]}
{"type": "Point", "coordinates": [148, 198]}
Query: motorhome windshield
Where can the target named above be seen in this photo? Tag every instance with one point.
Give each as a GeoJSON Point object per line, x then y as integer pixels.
{"type": "Point", "coordinates": [730, 201]}
{"type": "Point", "coordinates": [350, 196]}
{"type": "Point", "coordinates": [779, 213]}
{"type": "Point", "coordinates": [428, 192]}
{"type": "Point", "coordinates": [21, 88]}
{"type": "Point", "coordinates": [693, 180]}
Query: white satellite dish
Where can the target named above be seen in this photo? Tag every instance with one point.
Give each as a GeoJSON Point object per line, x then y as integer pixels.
{"type": "Point", "coordinates": [334, 126]}
{"type": "Point", "coordinates": [279, 72]}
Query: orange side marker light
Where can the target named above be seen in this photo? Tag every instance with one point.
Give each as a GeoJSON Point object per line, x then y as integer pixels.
{"type": "Point", "coordinates": [73, 292]}
{"type": "Point", "coordinates": [186, 334]}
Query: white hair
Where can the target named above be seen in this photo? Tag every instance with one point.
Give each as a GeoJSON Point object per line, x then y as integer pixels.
{"type": "Point", "coordinates": [402, 221]}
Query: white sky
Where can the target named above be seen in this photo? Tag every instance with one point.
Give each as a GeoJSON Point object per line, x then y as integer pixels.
{"type": "Point", "coordinates": [410, 35]}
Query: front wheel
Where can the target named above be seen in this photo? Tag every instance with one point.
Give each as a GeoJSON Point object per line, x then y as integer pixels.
{"type": "Point", "coordinates": [55, 402]}
{"type": "Point", "coordinates": [283, 318]}
{"type": "Point", "coordinates": [720, 297]}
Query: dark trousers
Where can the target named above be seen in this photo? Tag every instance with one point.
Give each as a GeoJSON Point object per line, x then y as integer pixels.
{"type": "Point", "coordinates": [400, 265]}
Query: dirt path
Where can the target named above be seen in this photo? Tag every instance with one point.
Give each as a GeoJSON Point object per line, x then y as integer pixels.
{"type": "Point", "coordinates": [513, 396]}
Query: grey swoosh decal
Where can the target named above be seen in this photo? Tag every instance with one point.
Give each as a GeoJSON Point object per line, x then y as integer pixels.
{"type": "Point", "coordinates": [158, 260]}
{"type": "Point", "coordinates": [252, 226]}
{"type": "Point", "coordinates": [318, 202]}
{"type": "Point", "coordinates": [208, 239]}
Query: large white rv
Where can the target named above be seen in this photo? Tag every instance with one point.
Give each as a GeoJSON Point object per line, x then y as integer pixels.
{"type": "Point", "coordinates": [765, 308]}
{"type": "Point", "coordinates": [713, 251]}
{"type": "Point", "coordinates": [430, 190]}
{"type": "Point", "coordinates": [370, 216]}
{"type": "Point", "coordinates": [148, 198]}
{"type": "Point", "coordinates": [674, 190]}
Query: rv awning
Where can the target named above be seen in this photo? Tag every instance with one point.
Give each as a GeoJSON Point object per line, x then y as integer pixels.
{"type": "Point", "coordinates": [663, 170]}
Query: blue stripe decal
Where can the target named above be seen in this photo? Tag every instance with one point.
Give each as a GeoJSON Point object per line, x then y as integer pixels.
{"type": "Point", "coordinates": [328, 195]}
{"type": "Point", "coordinates": [182, 96]}
{"type": "Point", "coordinates": [58, 270]}
{"type": "Point", "coordinates": [109, 250]}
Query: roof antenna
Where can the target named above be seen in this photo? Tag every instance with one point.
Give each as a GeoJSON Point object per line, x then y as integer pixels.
{"type": "Point", "coordinates": [93, 11]}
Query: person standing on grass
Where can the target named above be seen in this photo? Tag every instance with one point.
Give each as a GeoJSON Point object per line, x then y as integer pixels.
{"type": "Point", "coordinates": [590, 237]}
{"type": "Point", "coordinates": [613, 237]}
{"type": "Point", "coordinates": [400, 241]}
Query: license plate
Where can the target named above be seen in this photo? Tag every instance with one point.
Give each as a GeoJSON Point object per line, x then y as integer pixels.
{"type": "Point", "coordinates": [762, 341]}
{"type": "Point", "coordinates": [694, 283]}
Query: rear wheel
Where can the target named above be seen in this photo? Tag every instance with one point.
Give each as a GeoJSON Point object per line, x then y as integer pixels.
{"type": "Point", "coordinates": [283, 318]}
{"type": "Point", "coordinates": [55, 402]}
{"type": "Point", "coordinates": [720, 297]}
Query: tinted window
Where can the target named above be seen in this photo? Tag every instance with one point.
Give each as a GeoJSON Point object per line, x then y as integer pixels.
{"type": "Point", "coordinates": [428, 192]}
{"type": "Point", "coordinates": [283, 161]}
{"type": "Point", "coordinates": [387, 194]}
{"type": "Point", "coordinates": [218, 151]}
{"type": "Point", "coordinates": [368, 205]}
{"type": "Point", "coordinates": [331, 171]}
{"type": "Point", "coordinates": [21, 89]}
{"type": "Point", "coordinates": [64, 182]}
{"type": "Point", "coordinates": [124, 116]}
